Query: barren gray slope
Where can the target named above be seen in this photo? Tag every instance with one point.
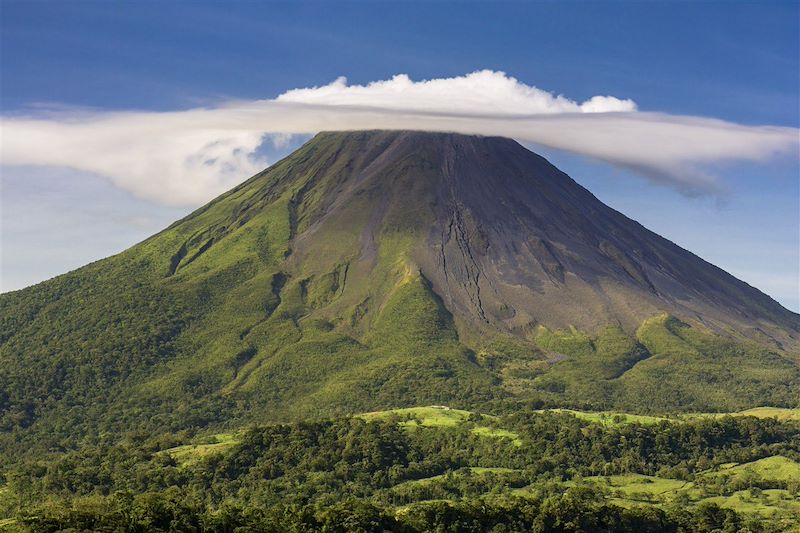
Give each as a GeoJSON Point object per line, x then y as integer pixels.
{"type": "Point", "coordinates": [514, 242]}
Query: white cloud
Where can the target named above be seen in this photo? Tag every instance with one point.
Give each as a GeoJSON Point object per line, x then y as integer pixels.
{"type": "Point", "coordinates": [485, 92]}
{"type": "Point", "coordinates": [188, 157]}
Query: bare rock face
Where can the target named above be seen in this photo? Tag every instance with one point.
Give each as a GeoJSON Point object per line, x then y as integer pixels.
{"type": "Point", "coordinates": [508, 241]}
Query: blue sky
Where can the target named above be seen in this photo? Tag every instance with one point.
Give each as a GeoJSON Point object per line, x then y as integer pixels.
{"type": "Point", "coordinates": [734, 61]}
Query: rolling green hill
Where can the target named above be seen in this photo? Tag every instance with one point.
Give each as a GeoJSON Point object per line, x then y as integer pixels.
{"type": "Point", "coordinates": [371, 270]}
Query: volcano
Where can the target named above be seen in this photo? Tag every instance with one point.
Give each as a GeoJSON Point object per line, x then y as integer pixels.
{"type": "Point", "coordinates": [377, 269]}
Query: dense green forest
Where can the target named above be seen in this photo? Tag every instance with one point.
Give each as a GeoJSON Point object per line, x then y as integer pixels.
{"type": "Point", "coordinates": [427, 469]}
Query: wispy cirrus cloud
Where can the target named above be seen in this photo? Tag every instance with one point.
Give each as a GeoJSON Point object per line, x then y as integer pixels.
{"type": "Point", "coordinates": [188, 157]}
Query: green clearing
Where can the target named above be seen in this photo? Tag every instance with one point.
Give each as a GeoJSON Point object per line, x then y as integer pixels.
{"type": "Point", "coordinates": [617, 418]}
{"type": "Point", "coordinates": [470, 470]}
{"type": "Point", "coordinates": [431, 416]}
{"type": "Point", "coordinates": [484, 431]}
{"type": "Point", "coordinates": [442, 416]}
{"type": "Point", "coordinates": [610, 418]}
{"type": "Point", "coordinates": [491, 470]}
{"type": "Point", "coordinates": [775, 468]}
{"type": "Point", "coordinates": [630, 490]}
{"type": "Point", "coordinates": [766, 503]}
{"type": "Point", "coordinates": [780, 413]}
{"type": "Point", "coordinates": [191, 453]}
{"type": "Point", "coordinates": [641, 487]}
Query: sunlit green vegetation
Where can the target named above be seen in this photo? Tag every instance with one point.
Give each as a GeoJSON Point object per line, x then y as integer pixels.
{"type": "Point", "coordinates": [189, 453]}
{"type": "Point", "coordinates": [767, 412]}
{"type": "Point", "coordinates": [609, 418]}
{"type": "Point", "coordinates": [698, 473]}
{"type": "Point", "coordinates": [432, 416]}
{"type": "Point", "coordinates": [767, 488]}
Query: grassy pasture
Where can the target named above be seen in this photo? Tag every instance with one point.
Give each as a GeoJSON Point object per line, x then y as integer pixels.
{"type": "Point", "coordinates": [775, 468]}
{"type": "Point", "coordinates": [781, 413]}
{"type": "Point", "coordinates": [442, 416]}
{"type": "Point", "coordinates": [767, 503]}
{"type": "Point", "coordinates": [616, 418]}
{"type": "Point", "coordinates": [190, 453]}
{"type": "Point", "coordinates": [474, 470]}
{"type": "Point", "coordinates": [610, 418]}
{"type": "Point", "coordinates": [632, 490]}
{"type": "Point", "coordinates": [485, 431]}
{"type": "Point", "coordinates": [431, 416]}
{"type": "Point", "coordinates": [638, 486]}
{"type": "Point", "coordinates": [772, 412]}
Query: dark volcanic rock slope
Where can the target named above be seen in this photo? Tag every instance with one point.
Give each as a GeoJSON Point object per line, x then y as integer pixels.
{"type": "Point", "coordinates": [378, 269]}
{"type": "Point", "coordinates": [509, 241]}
